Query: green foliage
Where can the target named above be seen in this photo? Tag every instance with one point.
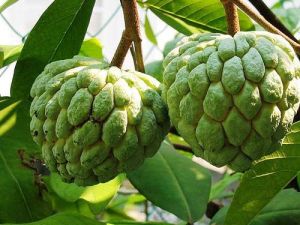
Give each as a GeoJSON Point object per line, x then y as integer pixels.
{"type": "Point", "coordinates": [20, 200]}
{"type": "Point", "coordinates": [155, 69]}
{"type": "Point", "coordinates": [11, 54]}
{"type": "Point", "coordinates": [48, 40]}
{"type": "Point", "coordinates": [283, 209]}
{"type": "Point", "coordinates": [174, 183]}
{"type": "Point", "coordinates": [219, 189]}
{"type": "Point", "coordinates": [288, 16]}
{"type": "Point", "coordinates": [118, 209]}
{"type": "Point", "coordinates": [149, 31]}
{"type": "Point", "coordinates": [52, 38]}
{"type": "Point", "coordinates": [64, 219]}
{"type": "Point", "coordinates": [265, 179]}
{"type": "Point", "coordinates": [96, 197]}
{"type": "Point", "coordinates": [187, 16]}
{"type": "Point", "coordinates": [91, 48]}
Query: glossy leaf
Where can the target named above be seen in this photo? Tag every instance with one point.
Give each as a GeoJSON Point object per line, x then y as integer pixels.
{"type": "Point", "coordinates": [201, 14]}
{"type": "Point", "coordinates": [283, 209]}
{"type": "Point", "coordinates": [96, 196]}
{"type": "Point", "coordinates": [265, 179]}
{"type": "Point", "coordinates": [149, 31]}
{"type": "Point", "coordinates": [20, 199]}
{"type": "Point", "coordinates": [174, 183]}
{"type": "Point", "coordinates": [57, 35]}
{"type": "Point", "coordinates": [92, 48]}
{"type": "Point", "coordinates": [184, 27]}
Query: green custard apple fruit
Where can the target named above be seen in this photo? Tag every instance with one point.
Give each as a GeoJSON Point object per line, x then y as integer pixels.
{"type": "Point", "coordinates": [232, 99]}
{"type": "Point", "coordinates": [93, 121]}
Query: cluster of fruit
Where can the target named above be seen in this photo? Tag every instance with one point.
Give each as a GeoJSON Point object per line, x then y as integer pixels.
{"type": "Point", "coordinates": [232, 99]}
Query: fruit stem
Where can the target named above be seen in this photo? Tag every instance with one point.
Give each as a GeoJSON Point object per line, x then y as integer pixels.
{"type": "Point", "coordinates": [121, 51]}
{"type": "Point", "coordinates": [264, 23]}
{"type": "Point", "coordinates": [130, 34]}
{"type": "Point", "coordinates": [232, 17]}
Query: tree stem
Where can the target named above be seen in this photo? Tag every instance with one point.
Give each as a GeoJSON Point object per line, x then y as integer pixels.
{"type": "Point", "coordinates": [264, 10]}
{"type": "Point", "coordinates": [121, 51]}
{"type": "Point", "coordinates": [232, 17]}
{"type": "Point", "coordinates": [131, 34]}
{"type": "Point", "coordinates": [264, 23]}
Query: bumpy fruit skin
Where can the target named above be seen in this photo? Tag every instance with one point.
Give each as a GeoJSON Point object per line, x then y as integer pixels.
{"type": "Point", "coordinates": [232, 99]}
{"type": "Point", "coordinates": [94, 122]}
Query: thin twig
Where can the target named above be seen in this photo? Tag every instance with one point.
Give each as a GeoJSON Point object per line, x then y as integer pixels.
{"type": "Point", "coordinates": [264, 23]}
{"type": "Point", "coordinates": [183, 148]}
{"type": "Point", "coordinates": [232, 17]}
{"type": "Point", "coordinates": [133, 55]}
{"type": "Point", "coordinates": [131, 33]}
{"type": "Point", "coordinates": [267, 13]}
{"type": "Point", "coordinates": [146, 211]}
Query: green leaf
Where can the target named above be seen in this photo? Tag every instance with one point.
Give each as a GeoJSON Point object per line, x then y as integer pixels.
{"type": "Point", "coordinates": [11, 53]}
{"type": "Point", "coordinates": [289, 17]}
{"type": "Point", "coordinates": [174, 183]}
{"type": "Point", "coordinates": [92, 48]}
{"type": "Point", "coordinates": [264, 180]}
{"type": "Point", "coordinates": [57, 35]}
{"type": "Point", "coordinates": [122, 200]}
{"type": "Point", "coordinates": [218, 190]}
{"type": "Point", "coordinates": [220, 216]}
{"type": "Point", "coordinates": [120, 205]}
{"type": "Point", "coordinates": [184, 27]}
{"type": "Point", "coordinates": [283, 209]}
{"type": "Point", "coordinates": [155, 69]}
{"type": "Point", "coordinates": [6, 4]}
{"type": "Point", "coordinates": [97, 196]}
{"type": "Point", "coordinates": [201, 14]}
{"type": "Point", "coordinates": [113, 214]}
{"type": "Point", "coordinates": [149, 31]}
{"type": "Point", "coordinates": [65, 219]}
{"type": "Point", "coordinates": [20, 199]}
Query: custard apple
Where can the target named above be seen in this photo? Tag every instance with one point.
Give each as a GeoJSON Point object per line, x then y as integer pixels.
{"type": "Point", "coordinates": [94, 122]}
{"type": "Point", "coordinates": [232, 99]}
